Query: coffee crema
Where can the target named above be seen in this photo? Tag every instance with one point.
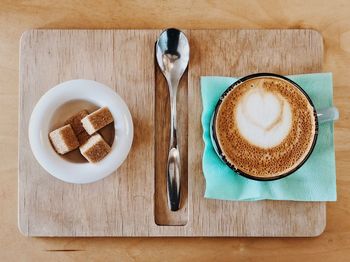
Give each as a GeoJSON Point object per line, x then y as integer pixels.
{"type": "Point", "coordinates": [265, 127]}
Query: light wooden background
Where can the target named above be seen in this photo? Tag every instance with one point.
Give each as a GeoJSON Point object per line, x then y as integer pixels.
{"type": "Point", "coordinates": [331, 18]}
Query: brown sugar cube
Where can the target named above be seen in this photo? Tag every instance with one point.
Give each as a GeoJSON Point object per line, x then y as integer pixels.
{"type": "Point", "coordinates": [83, 137]}
{"type": "Point", "coordinates": [95, 149]}
{"type": "Point", "coordinates": [75, 121]}
{"type": "Point", "coordinates": [63, 139]}
{"type": "Point", "coordinates": [97, 120]}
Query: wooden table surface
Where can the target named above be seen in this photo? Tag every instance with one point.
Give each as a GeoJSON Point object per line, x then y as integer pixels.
{"type": "Point", "coordinates": [331, 18]}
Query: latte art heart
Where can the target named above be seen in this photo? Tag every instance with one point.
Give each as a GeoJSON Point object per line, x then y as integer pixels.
{"type": "Point", "coordinates": [263, 118]}
{"type": "Point", "coordinates": [265, 126]}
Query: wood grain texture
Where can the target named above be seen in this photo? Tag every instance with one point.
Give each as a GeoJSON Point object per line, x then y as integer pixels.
{"type": "Point", "coordinates": [132, 202]}
{"type": "Point", "coordinates": [330, 18]}
{"type": "Point", "coordinates": [122, 203]}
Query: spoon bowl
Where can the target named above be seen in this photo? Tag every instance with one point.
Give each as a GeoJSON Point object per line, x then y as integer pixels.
{"type": "Point", "coordinates": [173, 53]}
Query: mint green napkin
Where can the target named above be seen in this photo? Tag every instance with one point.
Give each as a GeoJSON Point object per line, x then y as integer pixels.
{"type": "Point", "coordinates": [314, 181]}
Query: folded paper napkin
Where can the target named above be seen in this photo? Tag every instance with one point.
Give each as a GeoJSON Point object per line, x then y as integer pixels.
{"type": "Point", "coordinates": [314, 181]}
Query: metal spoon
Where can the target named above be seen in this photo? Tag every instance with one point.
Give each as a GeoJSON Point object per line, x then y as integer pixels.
{"type": "Point", "coordinates": [172, 52]}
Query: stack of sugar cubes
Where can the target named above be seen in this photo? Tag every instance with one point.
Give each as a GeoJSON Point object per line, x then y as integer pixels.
{"type": "Point", "coordinates": [81, 131]}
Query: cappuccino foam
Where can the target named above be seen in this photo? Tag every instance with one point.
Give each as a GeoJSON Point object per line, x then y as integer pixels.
{"type": "Point", "coordinates": [265, 127]}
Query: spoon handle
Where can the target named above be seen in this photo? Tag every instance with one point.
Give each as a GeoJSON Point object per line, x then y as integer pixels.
{"type": "Point", "coordinates": [174, 164]}
{"type": "Point", "coordinates": [173, 181]}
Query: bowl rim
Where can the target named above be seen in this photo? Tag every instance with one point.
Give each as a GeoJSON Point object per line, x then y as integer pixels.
{"type": "Point", "coordinates": [98, 94]}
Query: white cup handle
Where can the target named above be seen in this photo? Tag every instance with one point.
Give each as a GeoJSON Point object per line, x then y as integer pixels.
{"type": "Point", "coordinates": [327, 114]}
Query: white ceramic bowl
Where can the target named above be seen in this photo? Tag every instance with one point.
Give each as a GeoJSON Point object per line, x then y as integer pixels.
{"type": "Point", "coordinates": [92, 92]}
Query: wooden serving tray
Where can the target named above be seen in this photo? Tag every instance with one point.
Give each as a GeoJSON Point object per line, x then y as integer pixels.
{"type": "Point", "coordinates": [132, 202]}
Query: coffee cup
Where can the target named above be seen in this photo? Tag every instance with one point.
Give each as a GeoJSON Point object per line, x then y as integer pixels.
{"type": "Point", "coordinates": [265, 126]}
